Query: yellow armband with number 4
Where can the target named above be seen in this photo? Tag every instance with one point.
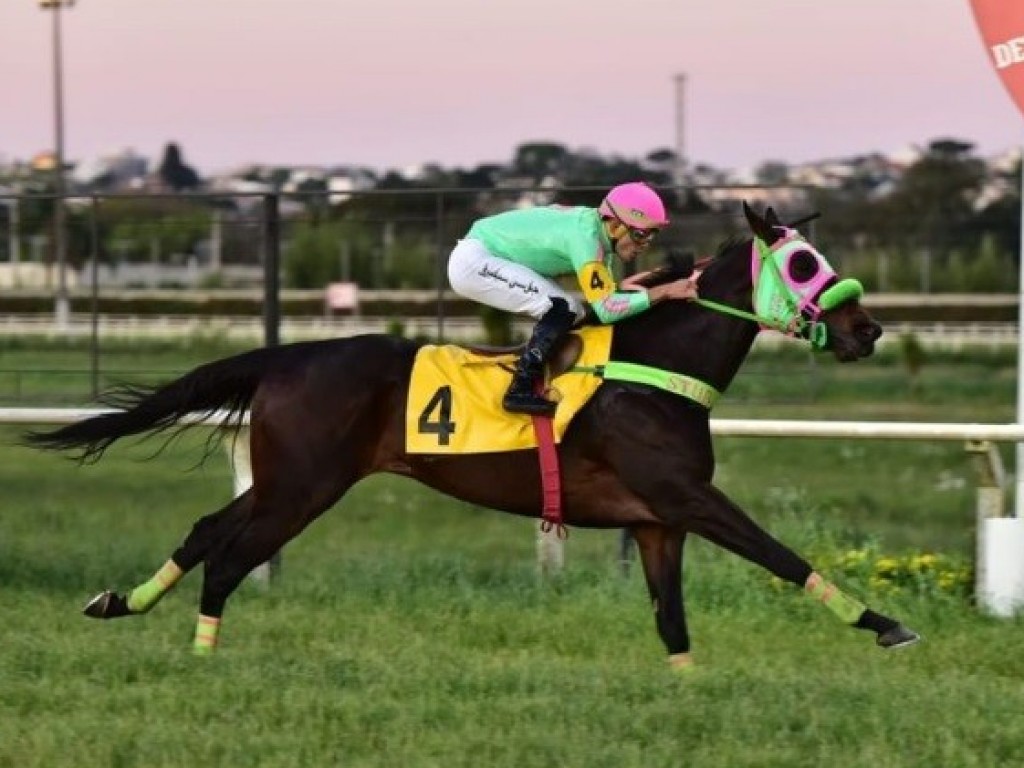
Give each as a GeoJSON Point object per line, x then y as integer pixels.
{"type": "Point", "coordinates": [596, 281]}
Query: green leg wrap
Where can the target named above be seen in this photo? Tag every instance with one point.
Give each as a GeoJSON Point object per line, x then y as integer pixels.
{"type": "Point", "coordinates": [841, 604]}
{"type": "Point", "coordinates": [148, 594]}
{"type": "Point", "coordinates": [207, 629]}
{"type": "Point", "coordinates": [681, 663]}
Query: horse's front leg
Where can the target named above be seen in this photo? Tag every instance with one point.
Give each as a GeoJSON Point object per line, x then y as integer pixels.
{"type": "Point", "coordinates": [661, 552]}
{"type": "Point", "coordinates": [711, 514]}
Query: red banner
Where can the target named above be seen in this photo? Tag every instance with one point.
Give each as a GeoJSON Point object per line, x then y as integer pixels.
{"type": "Point", "coordinates": [1001, 23]}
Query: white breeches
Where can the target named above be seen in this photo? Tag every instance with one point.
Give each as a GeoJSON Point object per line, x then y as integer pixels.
{"type": "Point", "coordinates": [474, 272]}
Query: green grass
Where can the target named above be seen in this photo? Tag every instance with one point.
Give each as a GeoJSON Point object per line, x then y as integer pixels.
{"type": "Point", "coordinates": [54, 371]}
{"type": "Point", "coordinates": [412, 630]}
{"type": "Point", "coordinates": [408, 629]}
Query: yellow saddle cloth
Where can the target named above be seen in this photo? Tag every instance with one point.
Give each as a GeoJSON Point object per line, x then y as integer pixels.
{"type": "Point", "coordinates": [454, 403]}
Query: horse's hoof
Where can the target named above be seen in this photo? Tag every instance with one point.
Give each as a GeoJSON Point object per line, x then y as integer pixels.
{"type": "Point", "coordinates": [681, 663]}
{"type": "Point", "coordinates": [106, 605]}
{"type": "Point", "coordinates": [897, 637]}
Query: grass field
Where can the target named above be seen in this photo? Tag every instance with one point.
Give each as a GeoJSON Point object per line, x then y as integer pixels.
{"type": "Point", "coordinates": [412, 630]}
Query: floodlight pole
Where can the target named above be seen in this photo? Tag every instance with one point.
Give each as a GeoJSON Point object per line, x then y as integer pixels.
{"type": "Point", "coordinates": [62, 308]}
{"type": "Point", "coordinates": [680, 162]}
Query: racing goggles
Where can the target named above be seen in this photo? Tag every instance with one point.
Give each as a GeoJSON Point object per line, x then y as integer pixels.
{"type": "Point", "coordinates": [639, 236]}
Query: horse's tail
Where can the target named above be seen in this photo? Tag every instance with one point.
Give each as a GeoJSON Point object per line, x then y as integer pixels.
{"type": "Point", "coordinates": [226, 385]}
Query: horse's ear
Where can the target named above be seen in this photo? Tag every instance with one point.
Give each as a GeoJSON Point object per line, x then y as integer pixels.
{"type": "Point", "coordinates": [771, 218]}
{"type": "Point", "coordinates": [759, 226]}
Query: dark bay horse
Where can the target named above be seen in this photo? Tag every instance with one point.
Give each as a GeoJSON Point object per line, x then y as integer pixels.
{"type": "Point", "coordinates": [325, 414]}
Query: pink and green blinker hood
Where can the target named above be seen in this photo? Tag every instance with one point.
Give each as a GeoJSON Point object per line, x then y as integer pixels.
{"type": "Point", "coordinates": [794, 284]}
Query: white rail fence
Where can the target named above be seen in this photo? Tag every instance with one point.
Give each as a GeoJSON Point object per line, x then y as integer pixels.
{"type": "Point", "coordinates": [999, 583]}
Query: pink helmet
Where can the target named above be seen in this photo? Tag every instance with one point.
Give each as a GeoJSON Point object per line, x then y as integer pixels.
{"type": "Point", "coordinates": [635, 205]}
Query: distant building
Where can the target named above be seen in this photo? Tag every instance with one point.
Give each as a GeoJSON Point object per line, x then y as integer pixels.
{"type": "Point", "coordinates": [44, 162]}
{"type": "Point", "coordinates": [125, 169]}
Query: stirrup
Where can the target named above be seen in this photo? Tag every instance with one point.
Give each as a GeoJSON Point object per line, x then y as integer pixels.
{"type": "Point", "coordinates": [528, 403]}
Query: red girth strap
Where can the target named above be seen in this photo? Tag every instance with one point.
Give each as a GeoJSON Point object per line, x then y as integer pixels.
{"type": "Point", "coordinates": [550, 476]}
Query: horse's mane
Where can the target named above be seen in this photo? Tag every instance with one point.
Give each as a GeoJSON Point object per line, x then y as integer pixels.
{"type": "Point", "coordinates": [678, 265]}
{"type": "Point", "coordinates": [675, 267]}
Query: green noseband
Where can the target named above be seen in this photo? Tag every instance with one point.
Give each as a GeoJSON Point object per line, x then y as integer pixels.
{"type": "Point", "coordinates": [845, 290]}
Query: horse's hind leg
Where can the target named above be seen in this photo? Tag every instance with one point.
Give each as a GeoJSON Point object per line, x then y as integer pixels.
{"type": "Point", "coordinates": [206, 532]}
{"type": "Point", "coordinates": [719, 520]}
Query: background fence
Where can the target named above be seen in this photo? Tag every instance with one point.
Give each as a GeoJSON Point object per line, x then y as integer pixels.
{"type": "Point", "coordinates": [398, 238]}
{"type": "Point", "coordinates": [251, 267]}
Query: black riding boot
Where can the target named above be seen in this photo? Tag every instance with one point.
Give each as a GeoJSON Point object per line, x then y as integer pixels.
{"type": "Point", "coordinates": [550, 329]}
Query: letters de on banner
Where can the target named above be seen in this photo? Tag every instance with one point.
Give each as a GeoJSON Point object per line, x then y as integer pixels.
{"type": "Point", "coordinates": [1001, 24]}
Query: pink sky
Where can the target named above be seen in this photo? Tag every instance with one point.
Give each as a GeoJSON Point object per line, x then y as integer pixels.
{"type": "Point", "coordinates": [388, 83]}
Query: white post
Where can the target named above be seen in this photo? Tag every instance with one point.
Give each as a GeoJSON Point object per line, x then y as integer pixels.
{"type": "Point", "coordinates": [1019, 484]}
{"type": "Point", "coordinates": [550, 550]}
{"type": "Point", "coordinates": [1001, 592]}
{"type": "Point", "coordinates": [999, 561]}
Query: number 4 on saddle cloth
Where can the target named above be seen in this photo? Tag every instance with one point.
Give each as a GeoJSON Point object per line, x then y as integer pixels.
{"type": "Point", "coordinates": [454, 403]}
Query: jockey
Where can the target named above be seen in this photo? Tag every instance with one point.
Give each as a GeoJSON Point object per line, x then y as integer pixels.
{"type": "Point", "coordinates": [509, 261]}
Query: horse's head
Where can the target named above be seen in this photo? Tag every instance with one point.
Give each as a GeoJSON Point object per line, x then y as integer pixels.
{"type": "Point", "coordinates": [796, 291]}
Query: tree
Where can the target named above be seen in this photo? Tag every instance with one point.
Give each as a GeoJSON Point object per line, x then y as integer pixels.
{"type": "Point", "coordinates": [139, 228]}
{"type": "Point", "coordinates": [539, 159]}
{"type": "Point", "coordinates": [174, 173]}
{"type": "Point", "coordinates": [934, 199]}
{"type": "Point", "coordinates": [480, 177]}
{"type": "Point", "coordinates": [314, 255]}
{"type": "Point", "coordinates": [773, 172]}
{"type": "Point", "coordinates": [1001, 218]}
{"type": "Point", "coordinates": [664, 156]}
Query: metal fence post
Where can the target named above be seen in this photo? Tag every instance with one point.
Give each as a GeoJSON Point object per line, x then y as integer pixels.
{"type": "Point", "coordinates": [271, 270]}
{"type": "Point", "coordinates": [442, 272]}
{"type": "Point", "coordinates": [94, 298]}
{"type": "Point", "coordinates": [271, 338]}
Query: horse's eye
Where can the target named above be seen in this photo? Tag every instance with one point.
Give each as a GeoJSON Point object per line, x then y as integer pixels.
{"type": "Point", "coordinates": [802, 266]}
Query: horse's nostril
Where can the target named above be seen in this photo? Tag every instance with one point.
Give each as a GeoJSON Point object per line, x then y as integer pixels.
{"type": "Point", "coordinates": [870, 332]}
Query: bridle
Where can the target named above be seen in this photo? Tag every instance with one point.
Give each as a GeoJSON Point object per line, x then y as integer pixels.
{"type": "Point", "coordinates": [779, 304]}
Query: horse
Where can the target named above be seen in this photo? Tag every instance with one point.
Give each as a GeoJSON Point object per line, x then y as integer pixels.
{"type": "Point", "coordinates": [325, 414]}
